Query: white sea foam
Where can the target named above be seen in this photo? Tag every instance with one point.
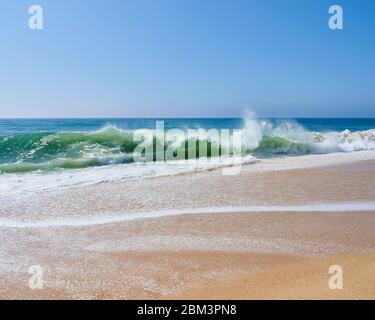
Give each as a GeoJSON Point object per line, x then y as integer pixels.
{"type": "Point", "coordinates": [251, 133]}
{"type": "Point", "coordinates": [125, 217]}
{"type": "Point", "coordinates": [15, 185]}
{"type": "Point", "coordinates": [317, 142]}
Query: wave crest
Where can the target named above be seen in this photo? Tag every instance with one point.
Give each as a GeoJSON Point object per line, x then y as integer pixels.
{"type": "Point", "coordinates": [112, 145]}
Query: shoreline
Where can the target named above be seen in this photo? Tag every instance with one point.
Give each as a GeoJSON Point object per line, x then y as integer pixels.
{"type": "Point", "coordinates": [32, 184]}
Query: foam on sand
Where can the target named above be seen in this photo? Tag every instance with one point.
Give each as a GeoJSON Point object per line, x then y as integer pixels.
{"type": "Point", "coordinates": [16, 185]}
{"type": "Point", "coordinates": [125, 217]}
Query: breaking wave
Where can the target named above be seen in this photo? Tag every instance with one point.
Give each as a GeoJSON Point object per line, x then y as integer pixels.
{"type": "Point", "coordinates": [46, 151]}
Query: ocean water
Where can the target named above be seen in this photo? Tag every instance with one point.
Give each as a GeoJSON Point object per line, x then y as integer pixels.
{"type": "Point", "coordinates": [10, 127]}
{"type": "Point", "coordinates": [43, 154]}
{"type": "Point", "coordinates": [42, 145]}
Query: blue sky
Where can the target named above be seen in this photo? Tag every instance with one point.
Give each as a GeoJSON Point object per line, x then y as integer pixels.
{"type": "Point", "coordinates": [187, 58]}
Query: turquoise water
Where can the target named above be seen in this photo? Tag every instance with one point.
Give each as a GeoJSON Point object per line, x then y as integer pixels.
{"type": "Point", "coordinates": [23, 126]}
{"type": "Point", "coordinates": [28, 145]}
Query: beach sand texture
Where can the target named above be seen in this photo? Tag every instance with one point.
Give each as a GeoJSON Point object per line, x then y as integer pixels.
{"type": "Point", "coordinates": [226, 254]}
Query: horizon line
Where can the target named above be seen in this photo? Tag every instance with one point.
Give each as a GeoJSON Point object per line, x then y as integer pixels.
{"type": "Point", "coordinates": [171, 118]}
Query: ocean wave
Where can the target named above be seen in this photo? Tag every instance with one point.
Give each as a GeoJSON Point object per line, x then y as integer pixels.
{"type": "Point", "coordinates": [288, 137]}
{"type": "Point", "coordinates": [47, 151]}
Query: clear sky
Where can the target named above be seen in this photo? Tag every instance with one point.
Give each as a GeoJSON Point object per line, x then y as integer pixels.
{"type": "Point", "coordinates": [187, 58]}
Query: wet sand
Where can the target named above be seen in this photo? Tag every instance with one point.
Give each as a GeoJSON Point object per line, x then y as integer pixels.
{"type": "Point", "coordinates": [230, 255]}
{"type": "Point", "coordinates": [293, 278]}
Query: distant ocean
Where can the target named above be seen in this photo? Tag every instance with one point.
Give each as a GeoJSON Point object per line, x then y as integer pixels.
{"type": "Point", "coordinates": [44, 145]}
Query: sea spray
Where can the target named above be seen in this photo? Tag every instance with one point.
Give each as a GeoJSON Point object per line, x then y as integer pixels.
{"type": "Point", "coordinates": [251, 133]}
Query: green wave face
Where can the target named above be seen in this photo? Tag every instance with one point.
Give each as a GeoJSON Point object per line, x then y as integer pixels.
{"type": "Point", "coordinates": [48, 151]}
{"type": "Point", "coordinates": [74, 150]}
{"type": "Point", "coordinates": [278, 146]}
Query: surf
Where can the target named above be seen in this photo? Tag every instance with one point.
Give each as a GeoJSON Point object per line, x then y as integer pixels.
{"type": "Point", "coordinates": [46, 151]}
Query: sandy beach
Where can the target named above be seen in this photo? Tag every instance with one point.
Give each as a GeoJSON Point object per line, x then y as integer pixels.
{"type": "Point", "coordinates": [187, 150]}
{"type": "Point", "coordinates": [270, 232]}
